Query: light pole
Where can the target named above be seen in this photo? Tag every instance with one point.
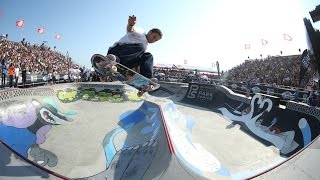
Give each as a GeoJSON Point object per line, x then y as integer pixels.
{"type": "Point", "coordinates": [218, 69]}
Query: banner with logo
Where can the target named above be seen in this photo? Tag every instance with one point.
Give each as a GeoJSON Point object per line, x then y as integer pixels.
{"type": "Point", "coordinates": [304, 64]}
{"type": "Point", "coordinates": [199, 94]}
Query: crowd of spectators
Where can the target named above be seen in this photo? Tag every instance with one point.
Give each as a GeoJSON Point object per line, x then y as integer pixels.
{"type": "Point", "coordinates": [36, 58]}
{"type": "Point", "coordinates": [283, 71]}
{"type": "Point", "coordinates": [279, 70]}
{"type": "Point", "coordinates": [170, 73]}
{"type": "Point", "coordinates": [33, 59]}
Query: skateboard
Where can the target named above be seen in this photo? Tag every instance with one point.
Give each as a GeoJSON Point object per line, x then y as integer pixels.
{"type": "Point", "coordinates": [107, 66]}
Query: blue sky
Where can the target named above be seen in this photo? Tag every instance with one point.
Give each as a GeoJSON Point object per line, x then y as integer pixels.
{"type": "Point", "coordinates": [202, 31]}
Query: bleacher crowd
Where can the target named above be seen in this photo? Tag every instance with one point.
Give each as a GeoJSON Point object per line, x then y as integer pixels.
{"type": "Point", "coordinates": [33, 59]}
{"type": "Point", "coordinates": [280, 70]}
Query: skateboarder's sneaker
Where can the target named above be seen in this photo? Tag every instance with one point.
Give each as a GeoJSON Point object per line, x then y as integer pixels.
{"type": "Point", "coordinates": [111, 58]}
{"type": "Point", "coordinates": [103, 64]}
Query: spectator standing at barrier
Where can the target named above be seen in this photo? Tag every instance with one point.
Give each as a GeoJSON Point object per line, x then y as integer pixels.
{"type": "Point", "coordinates": [16, 75]}
{"type": "Point", "coordinates": [11, 74]}
{"type": "Point", "coordinates": [248, 87]}
{"type": "Point", "coordinates": [69, 75]}
{"type": "Point", "coordinates": [50, 77]}
{"type": "Point", "coordinates": [296, 95]}
{"type": "Point", "coordinates": [318, 98]}
{"type": "Point", "coordinates": [3, 71]}
{"type": "Point", "coordinates": [54, 76]}
{"type": "Point", "coordinates": [81, 76]}
{"type": "Point", "coordinates": [312, 99]}
{"type": "Point", "coordinates": [24, 74]}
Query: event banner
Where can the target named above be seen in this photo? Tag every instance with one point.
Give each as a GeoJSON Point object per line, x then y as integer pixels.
{"type": "Point", "coordinates": [304, 64]}
{"type": "Point", "coordinates": [199, 94]}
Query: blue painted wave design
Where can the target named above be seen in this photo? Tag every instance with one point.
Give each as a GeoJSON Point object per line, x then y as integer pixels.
{"type": "Point", "coordinates": [129, 120]}
{"type": "Point", "coordinates": [305, 130]}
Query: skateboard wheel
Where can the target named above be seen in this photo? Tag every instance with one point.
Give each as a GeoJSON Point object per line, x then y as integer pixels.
{"type": "Point", "coordinates": [139, 94]}
{"type": "Point", "coordinates": [114, 68]}
{"type": "Point", "coordinates": [151, 87]}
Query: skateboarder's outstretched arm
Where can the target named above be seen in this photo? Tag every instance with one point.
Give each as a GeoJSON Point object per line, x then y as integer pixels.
{"type": "Point", "coordinates": [131, 23]}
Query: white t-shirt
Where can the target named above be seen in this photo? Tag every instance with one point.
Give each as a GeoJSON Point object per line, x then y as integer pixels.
{"type": "Point", "coordinates": [16, 71]}
{"type": "Point", "coordinates": [134, 38]}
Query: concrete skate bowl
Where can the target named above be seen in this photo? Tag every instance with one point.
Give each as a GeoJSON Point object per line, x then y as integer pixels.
{"type": "Point", "coordinates": [243, 137]}
{"type": "Point", "coordinates": [84, 131]}
{"type": "Point", "coordinates": [104, 131]}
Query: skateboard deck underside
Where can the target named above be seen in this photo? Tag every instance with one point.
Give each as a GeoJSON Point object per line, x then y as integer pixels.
{"type": "Point", "coordinates": [123, 74]}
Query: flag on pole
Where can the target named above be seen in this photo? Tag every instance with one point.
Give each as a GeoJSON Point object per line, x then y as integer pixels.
{"type": "Point", "coordinates": [41, 30]}
{"type": "Point", "coordinates": [264, 42]}
{"type": "Point", "coordinates": [57, 36]}
{"type": "Point", "coordinates": [20, 23]}
{"type": "Point", "coordinates": [247, 46]}
{"type": "Point", "coordinates": [287, 37]}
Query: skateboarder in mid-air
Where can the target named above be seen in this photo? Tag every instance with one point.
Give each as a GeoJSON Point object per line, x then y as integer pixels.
{"type": "Point", "coordinates": [130, 50]}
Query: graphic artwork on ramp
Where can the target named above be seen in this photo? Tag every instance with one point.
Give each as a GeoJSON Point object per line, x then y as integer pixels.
{"type": "Point", "coordinates": [31, 120]}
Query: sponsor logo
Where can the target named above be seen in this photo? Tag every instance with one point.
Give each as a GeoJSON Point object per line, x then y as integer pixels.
{"type": "Point", "coordinates": [205, 94]}
{"type": "Point", "coordinates": [193, 91]}
{"type": "Point", "coordinates": [202, 93]}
